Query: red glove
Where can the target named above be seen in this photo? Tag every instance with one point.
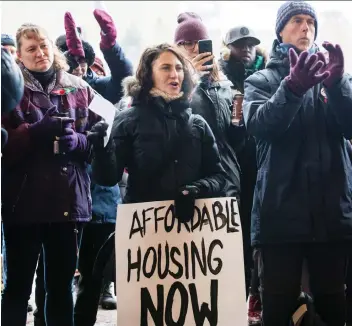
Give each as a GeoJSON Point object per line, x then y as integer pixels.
{"type": "Point", "coordinates": [73, 41]}
{"type": "Point", "coordinates": [336, 64]}
{"type": "Point", "coordinates": [108, 30]}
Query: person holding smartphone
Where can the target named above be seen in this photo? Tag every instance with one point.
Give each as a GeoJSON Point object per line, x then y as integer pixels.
{"type": "Point", "coordinates": [241, 56]}
{"type": "Point", "coordinates": [212, 97]}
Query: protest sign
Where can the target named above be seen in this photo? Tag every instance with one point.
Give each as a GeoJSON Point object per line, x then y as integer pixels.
{"type": "Point", "coordinates": [170, 273]}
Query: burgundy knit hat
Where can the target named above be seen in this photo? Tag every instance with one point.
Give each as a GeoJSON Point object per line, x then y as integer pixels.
{"type": "Point", "coordinates": [190, 28]}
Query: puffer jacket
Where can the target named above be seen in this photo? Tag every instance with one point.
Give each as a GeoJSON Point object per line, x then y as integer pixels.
{"type": "Point", "coordinates": [142, 140]}
{"type": "Point", "coordinates": [304, 183]}
{"type": "Point", "coordinates": [39, 186]}
{"type": "Point", "coordinates": [213, 101]}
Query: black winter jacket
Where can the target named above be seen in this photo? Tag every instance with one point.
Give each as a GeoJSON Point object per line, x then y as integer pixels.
{"type": "Point", "coordinates": [304, 183]}
{"type": "Point", "coordinates": [143, 141]}
{"type": "Point", "coordinates": [214, 103]}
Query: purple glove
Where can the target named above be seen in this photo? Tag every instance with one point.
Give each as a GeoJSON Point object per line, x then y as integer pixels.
{"type": "Point", "coordinates": [336, 64]}
{"type": "Point", "coordinates": [108, 30]}
{"type": "Point", "coordinates": [304, 74]}
{"type": "Point", "coordinates": [49, 125]}
{"type": "Point", "coordinates": [70, 140]}
{"type": "Point", "coordinates": [73, 40]}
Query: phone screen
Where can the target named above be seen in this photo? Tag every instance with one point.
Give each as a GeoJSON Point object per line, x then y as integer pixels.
{"type": "Point", "coordinates": [206, 46]}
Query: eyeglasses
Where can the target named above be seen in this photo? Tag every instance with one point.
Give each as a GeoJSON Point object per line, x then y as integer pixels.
{"type": "Point", "coordinates": [189, 45]}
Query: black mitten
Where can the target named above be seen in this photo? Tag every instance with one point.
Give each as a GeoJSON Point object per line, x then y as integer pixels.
{"type": "Point", "coordinates": [185, 201]}
{"type": "Point", "coordinates": [97, 133]}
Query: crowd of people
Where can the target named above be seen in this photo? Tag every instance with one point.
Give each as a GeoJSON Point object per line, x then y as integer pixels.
{"type": "Point", "coordinates": [273, 130]}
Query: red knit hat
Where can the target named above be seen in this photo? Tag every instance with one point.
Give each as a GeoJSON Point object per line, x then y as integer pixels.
{"type": "Point", "coordinates": [98, 67]}
{"type": "Point", "coordinates": [190, 28]}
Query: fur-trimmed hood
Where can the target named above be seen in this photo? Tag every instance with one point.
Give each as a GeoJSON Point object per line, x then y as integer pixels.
{"type": "Point", "coordinates": [131, 87]}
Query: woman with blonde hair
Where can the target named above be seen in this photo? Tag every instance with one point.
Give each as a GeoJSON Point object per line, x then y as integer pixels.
{"type": "Point", "coordinates": [46, 188]}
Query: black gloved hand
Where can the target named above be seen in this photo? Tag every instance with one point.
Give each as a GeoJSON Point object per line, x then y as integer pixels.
{"type": "Point", "coordinates": [185, 201]}
{"type": "Point", "coordinates": [97, 133]}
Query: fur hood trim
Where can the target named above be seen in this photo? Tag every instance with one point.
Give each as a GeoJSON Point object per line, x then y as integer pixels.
{"type": "Point", "coordinates": [131, 86]}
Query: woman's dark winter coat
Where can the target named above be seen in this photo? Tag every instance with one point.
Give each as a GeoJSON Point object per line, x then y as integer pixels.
{"type": "Point", "coordinates": [164, 147]}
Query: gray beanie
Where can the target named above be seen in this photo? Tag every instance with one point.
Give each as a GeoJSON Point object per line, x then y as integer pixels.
{"type": "Point", "coordinates": [290, 9]}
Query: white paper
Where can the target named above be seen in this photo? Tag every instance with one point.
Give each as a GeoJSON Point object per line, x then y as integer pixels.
{"type": "Point", "coordinates": [106, 110]}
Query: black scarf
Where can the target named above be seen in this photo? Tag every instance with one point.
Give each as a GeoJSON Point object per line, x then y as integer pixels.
{"type": "Point", "coordinates": [45, 77]}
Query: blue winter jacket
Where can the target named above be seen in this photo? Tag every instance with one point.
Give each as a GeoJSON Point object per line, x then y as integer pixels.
{"type": "Point", "coordinates": [106, 199]}
{"type": "Point", "coordinates": [304, 184]}
{"type": "Point", "coordinates": [104, 202]}
{"type": "Point", "coordinates": [120, 67]}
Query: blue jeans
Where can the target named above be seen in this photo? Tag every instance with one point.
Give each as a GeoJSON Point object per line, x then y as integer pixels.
{"type": "Point", "coordinates": [22, 247]}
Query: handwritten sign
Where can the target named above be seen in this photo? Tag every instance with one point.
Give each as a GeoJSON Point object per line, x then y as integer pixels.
{"type": "Point", "coordinates": [171, 273]}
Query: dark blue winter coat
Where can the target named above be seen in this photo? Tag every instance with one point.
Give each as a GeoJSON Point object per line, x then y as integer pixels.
{"type": "Point", "coordinates": [120, 67]}
{"type": "Point", "coordinates": [304, 184]}
{"type": "Point", "coordinates": [106, 199]}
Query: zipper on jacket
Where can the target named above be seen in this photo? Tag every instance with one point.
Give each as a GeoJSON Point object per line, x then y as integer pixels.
{"type": "Point", "coordinates": [19, 193]}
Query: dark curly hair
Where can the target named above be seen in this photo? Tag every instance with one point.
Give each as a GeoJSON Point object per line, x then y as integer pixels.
{"type": "Point", "coordinates": [145, 70]}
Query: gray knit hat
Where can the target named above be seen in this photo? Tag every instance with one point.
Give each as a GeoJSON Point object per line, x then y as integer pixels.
{"type": "Point", "coordinates": [290, 9]}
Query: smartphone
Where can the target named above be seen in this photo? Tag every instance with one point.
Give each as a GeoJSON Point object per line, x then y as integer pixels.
{"type": "Point", "coordinates": [206, 46]}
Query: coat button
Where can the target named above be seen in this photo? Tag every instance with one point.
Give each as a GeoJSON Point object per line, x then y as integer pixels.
{"type": "Point", "coordinates": [176, 161]}
{"type": "Point", "coordinates": [66, 214]}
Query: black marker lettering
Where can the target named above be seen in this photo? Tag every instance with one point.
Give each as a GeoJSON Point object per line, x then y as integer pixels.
{"type": "Point", "coordinates": [136, 265]}
{"type": "Point", "coordinates": [161, 274]}
{"type": "Point", "coordinates": [204, 312]}
{"type": "Point", "coordinates": [145, 262]}
{"type": "Point", "coordinates": [185, 249]}
{"type": "Point", "coordinates": [179, 273]}
{"type": "Point", "coordinates": [139, 228]}
{"type": "Point", "coordinates": [206, 219]}
{"type": "Point", "coordinates": [202, 262]}
{"type": "Point", "coordinates": [145, 219]}
{"type": "Point", "coordinates": [169, 321]}
{"type": "Point", "coordinates": [230, 229]}
{"type": "Point", "coordinates": [156, 218]}
{"type": "Point", "coordinates": [147, 305]}
{"type": "Point", "coordinates": [196, 222]}
{"type": "Point", "coordinates": [170, 211]}
{"type": "Point", "coordinates": [219, 215]}
{"type": "Point", "coordinates": [217, 269]}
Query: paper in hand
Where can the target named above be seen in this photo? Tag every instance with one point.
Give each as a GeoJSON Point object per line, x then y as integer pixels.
{"type": "Point", "coordinates": [106, 110]}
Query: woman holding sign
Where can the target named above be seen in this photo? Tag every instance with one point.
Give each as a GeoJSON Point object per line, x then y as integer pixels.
{"type": "Point", "coordinates": [169, 152]}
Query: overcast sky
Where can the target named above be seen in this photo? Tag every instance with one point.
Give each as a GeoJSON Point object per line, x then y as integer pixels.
{"type": "Point", "coordinates": [153, 22]}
